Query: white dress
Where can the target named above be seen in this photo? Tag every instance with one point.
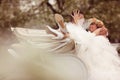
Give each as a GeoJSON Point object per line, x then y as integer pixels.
{"type": "Point", "coordinates": [98, 59]}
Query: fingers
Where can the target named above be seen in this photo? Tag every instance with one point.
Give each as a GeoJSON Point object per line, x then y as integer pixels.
{"type": "Point", "coordinates": [74, 12]}
{"type": "Point", "coordinates": [72, 15]}
{"type": "Point", "coordinates": [76, 15]}
{"type": "Point", "coordinates": [78, 11]}
{"type": "Point", "coordinates": [97, 31]}
{"type": "Point", "coordinates": [104, 31]}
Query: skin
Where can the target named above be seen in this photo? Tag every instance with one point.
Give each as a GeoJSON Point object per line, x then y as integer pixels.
{"type": "Point", "coordinates": [60, 20]}
{"type": "Point", "coordinates": [103, 31]}
{"type": "Point", "coordinates": [92, 28]}
{"type": "Point", "coordinates": [76, 15]}
{"type": "Point", "coordinates": [98, 29]}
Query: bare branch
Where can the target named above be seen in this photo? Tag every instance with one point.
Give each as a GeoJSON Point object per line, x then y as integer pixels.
{"type": "Point", "coordinates": [51, 7]}
{"type": "Point", "coordinates": [60, 4]}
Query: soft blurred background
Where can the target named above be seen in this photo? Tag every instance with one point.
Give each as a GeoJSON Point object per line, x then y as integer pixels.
{"type": "Point", "coordinates": [38, 13]}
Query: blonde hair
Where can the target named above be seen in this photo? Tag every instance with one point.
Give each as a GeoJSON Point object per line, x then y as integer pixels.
{"type": "Point", "coordinates": [96, 21]}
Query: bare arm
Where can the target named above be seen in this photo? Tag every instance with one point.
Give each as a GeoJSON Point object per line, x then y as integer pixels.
{"type": "Point", "coordinates": [101, 31]}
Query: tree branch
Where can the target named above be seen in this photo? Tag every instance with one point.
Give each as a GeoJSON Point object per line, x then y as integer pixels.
{"type": "Point", "coordinates": [60, 4]}
{"type": "Point", "coordinates": [51, 7]}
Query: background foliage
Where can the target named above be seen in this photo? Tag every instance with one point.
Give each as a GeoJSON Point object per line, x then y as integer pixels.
{"type": "Point", "coordinates": [38, 13]}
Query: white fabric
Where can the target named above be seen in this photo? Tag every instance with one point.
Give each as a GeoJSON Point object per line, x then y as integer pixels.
{"type": "Point", "coordinates": [47, 58]}
{"type": "Point", "coordinates": [100, 58]}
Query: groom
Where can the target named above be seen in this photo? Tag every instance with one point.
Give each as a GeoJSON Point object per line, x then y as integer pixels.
{"type": "Point", "coordinates": [93, 25]}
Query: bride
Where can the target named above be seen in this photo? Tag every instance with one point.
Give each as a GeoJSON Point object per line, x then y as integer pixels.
{"type": "Point", "coordinates": [57, 52]}
{"type": "Point", "coordinates": [101, 59]}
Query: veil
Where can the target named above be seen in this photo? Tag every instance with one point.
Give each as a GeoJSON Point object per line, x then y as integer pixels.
{"type": "Point", "coordinates": [47, 57]}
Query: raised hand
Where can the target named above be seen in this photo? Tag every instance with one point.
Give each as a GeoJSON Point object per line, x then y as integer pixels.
{"type": "Point", "coordinates": [76, 15]}
{"type": "Point", "coordinates": [59, 20]}
{"type": "Point", "coordinates": [62, 28]}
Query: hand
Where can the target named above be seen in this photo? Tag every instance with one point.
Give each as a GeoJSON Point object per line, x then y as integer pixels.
{"type": "Point", "coordinates": [103, 31]}
{"type": "Point", "coordinates": [97, 31]}
{"type": "Point", "coordinates": [76, 15]}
